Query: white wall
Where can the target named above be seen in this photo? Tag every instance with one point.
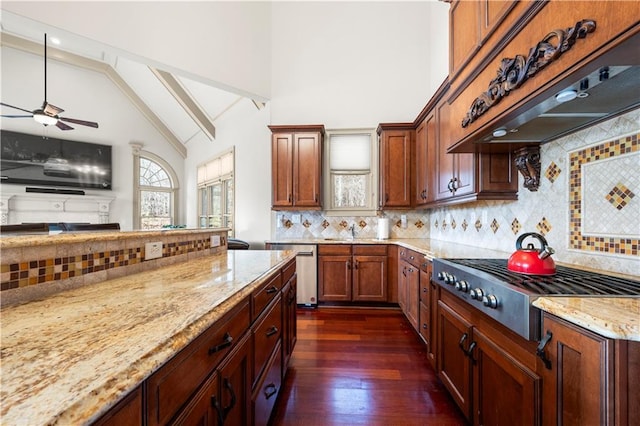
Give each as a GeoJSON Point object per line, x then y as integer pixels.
{"type": "Point", "coordinates": [243, 127]}
{"type": "Point", "coordinates": [211, 41]}
{"type": "Point", "coordinates": [356, 64]}
{"type": "Point", "coordinates": [90, 96]}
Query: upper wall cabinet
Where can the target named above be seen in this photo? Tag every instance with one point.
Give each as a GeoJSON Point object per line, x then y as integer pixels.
{"type": "Point", "coordinates": [509, 60]}
{"type": "Point", "coordinates": [296, 167]}
{"type": "Point", "coordinates": [395, 164]}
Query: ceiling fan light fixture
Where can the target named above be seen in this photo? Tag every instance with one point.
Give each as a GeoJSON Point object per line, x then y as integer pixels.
{"type": "Point", "coordinates": [45, 119]}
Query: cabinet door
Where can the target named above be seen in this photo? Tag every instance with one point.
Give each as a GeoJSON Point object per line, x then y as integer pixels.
{"type": "Point", "coordinates": [464, 33]}
{"type": "Point", "coordinates": [464, 174]}
{"type": "Point", "coordinates": [282, 169]}
{"type": "Point", "coordinates": [235, 384]}
{"type": "Point", "coordinates": [421, 160]}
{"type": "Point", "coordinates": [425, 315]}
{"type": "Point", "coordinates": [204, 409]}
{"type": "Point", "coordinates": [454, 369]}
{"type": "Point", "coordinates": [395, 168]}
{"type": "Point", "coordinates": [289, 317]}
{"type": "Point", "coordinates": [307, 170]}
{"type": "Point", "coordinates": [370, 278]}
{"type": "Point", "coordinates": [413, 296]}
{"type": "Point", "coordinates": [334, 278]}
{"type": "Point", "coordinates": [126, 412]}
{"type": "Point", "coordinates": [577, 387]}
{"type": "Point", "coordinates": [433, 314]}
{"type": "Point", "coordinates": [444, 173]}
{"type": "Point", "coordinates": [403, 268]}
{"type": "Point", "coordinates": [504, 391]}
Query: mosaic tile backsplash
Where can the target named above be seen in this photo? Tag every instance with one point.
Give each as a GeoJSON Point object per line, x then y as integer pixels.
{"type": "Point", "coordinates": [587, 205]}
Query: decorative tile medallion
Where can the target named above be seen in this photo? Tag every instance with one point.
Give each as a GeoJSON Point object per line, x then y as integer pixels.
{"type": "Point", "coordinates": [399, 223]}
{"type": "Point", "coordinates": [544, 227]}
{"type": "Point", "coordinates": [362, 224]}
{"type": "Point", "coordinates": [444, 225]}
{"type": "Point", "coordinates": [464, 224]}
{"type": "Point", "coordinates": [478, 225]}
{"type": "Point", "coordinates": [619, 196]}
{"type": "Point", "coordinates": [325, 224]}
{"type": "Point", "coordinates": [419, 224]}
{"type": "Point", "coordinates": [516, 226]}
{"type": "Point", "coordinates": [435, 224]}
{"type": "Point", "coordinates": [288, 224]}
{"type": "Point", "coordinates": [552, 172]}
{"type": "Point", "coordinates": [344, 224]}
{"type": "Point", "coordinates": [596, 170]}
{"type": "Point", "coordinates": [306, 223]}
{"type": "Point", "coordinates": [453, 224]}
{"type": "Point", "coordinates": [495, 225]}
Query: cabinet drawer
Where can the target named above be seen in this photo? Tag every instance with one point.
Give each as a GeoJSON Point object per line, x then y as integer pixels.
{"type": "Point", "coordinates": [334, 249]}
{"type": "Point", "coordinates": [370, 250]}
{"type": "Point", "coordinates": [170, 387]}
{"type": "Point", "coordinates": [266, 334]}
{"type": "Point", "coordinates": [265, 294]}
{"type": "Point", "coordinates": [266, 392]}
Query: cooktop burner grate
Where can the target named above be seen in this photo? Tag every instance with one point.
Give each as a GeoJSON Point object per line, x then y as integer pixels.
{"type": "Point", "coordinates": [566, 281]}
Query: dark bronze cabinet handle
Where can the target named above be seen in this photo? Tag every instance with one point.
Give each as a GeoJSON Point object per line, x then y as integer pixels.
{"type": "Point", "coordinates": [461, 342]}
{"type": "Point", "coordinates": [273, 330]}
{"type": "Point", "coordinates": [272, 289]}
{"type": "Point", "coordinates": [216, 406]}
{"type": "Point", "coordinates": [540, 349]}
{"type": "Point", "coordinates": [270, 390]}
{"type": "Point", "coordinates": [228, 340]}
{"type": "Point", "coordinates": [229, 387]}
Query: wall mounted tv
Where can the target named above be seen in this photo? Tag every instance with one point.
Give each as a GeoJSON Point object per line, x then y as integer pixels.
{"type": "Point", "coordinates": [38, 160]}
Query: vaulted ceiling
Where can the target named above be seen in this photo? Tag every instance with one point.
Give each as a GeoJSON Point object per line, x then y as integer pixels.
{"type": "Point", "coordinates": [180, 108]}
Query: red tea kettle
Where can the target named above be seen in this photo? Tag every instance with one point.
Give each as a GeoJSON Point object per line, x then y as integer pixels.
{"type": "Point", "coordinates": [532, 261]}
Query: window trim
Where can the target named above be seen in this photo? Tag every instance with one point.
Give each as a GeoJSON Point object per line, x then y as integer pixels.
{"type": "Point", "coordinates": [208, 182]}
{"type": "Point", "coordinates": [372, 210]}
{"type": "Point", "coordinates": [174, 189]}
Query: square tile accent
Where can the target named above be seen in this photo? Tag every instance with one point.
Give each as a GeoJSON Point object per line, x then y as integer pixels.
{"type": "Point", "coordinates": [552, 172]}
{"type": "Point", "coordinates": [478, 225]}
{"type": "Point", "coordinates": [619, 196]}
{"type": "Point", "coordinates": [494, 226]}
{"type": "Point", "coordinates": [464, 225]}
{"type": "Point", "coordinates": [419, 224]}
{"type": "Point", "coordinates": [516, 226]}
{"type": "Point", "coordinates": [544, 227]}
{"type": "Point", "coordinates": [591, 226]}
{"type": "Point", "coordinates": [453, 224]}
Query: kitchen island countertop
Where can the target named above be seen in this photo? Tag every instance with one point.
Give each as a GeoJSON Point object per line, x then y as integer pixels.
{"type": "Point", "coordinates": [67, 358]}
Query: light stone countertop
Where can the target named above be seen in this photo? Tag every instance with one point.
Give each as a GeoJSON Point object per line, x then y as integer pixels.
{"type": "Point", "coordinates": [68, 358]}
{"type": "Point", "coordinates": [613, 317]}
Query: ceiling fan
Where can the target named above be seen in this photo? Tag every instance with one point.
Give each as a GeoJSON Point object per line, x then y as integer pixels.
{"type": "Point", "coordinates": [49, 114]}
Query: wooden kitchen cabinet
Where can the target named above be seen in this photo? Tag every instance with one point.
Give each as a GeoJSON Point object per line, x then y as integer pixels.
{"type": "Point", "coordinates": [425, 148]}
{"type": "Point", "coordinates": [235, 384]}
{"type": "Point", "coordinates": [589, 379]}
{"type": "Point", "coordinates": [352, 273]}
{"type": "Point", "coordinates": [395, 177]}
{"type": "Point", "coordinates": [296, 167]}
{"type": "Point", "coordinates": [489, 370]}
{"type": "Point", "coordinates": [126, 412]}
{"type": "Point", "coordinates": [409, 282]}
{"type": "Point", "coordinates": [204, 408]}
{"type": "Point", "coordinates": [289, 313]}
{"type": "Point", "coordinates": [470, 177]}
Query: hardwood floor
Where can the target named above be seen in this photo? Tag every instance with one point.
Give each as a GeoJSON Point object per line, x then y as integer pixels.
{"type": "Point", "coordinates": [361, 366]}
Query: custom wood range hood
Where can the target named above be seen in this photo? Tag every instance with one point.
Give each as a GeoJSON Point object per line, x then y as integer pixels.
{"type": "Point", "coordinates": [603, 84]}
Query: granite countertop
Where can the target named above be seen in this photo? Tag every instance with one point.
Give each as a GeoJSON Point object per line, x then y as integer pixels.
{"type": "Point", "coordinates": [68, 358]}
{"type": "Point", "coordinates": [614, 317]}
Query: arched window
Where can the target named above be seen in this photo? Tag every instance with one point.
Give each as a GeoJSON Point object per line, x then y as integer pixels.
{"type": "Point", "coordinates": [156, 192]}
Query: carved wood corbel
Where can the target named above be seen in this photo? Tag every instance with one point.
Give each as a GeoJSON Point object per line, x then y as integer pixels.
{"type": "Point", "coordinates": [513, 72]}
{"type": "Point", "coordinates": [528, 163]}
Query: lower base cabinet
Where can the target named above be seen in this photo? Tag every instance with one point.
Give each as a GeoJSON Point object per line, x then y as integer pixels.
{"type": "Point", "coordinates": [267, 391]}
{"type": "Point", "coordinates": [588, 379]}
{"type": "Point", "coordinates": [489, 371]}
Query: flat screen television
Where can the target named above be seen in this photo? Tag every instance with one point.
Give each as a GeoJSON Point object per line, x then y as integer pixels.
{"type": "Point", "coordinates": [30, 159]}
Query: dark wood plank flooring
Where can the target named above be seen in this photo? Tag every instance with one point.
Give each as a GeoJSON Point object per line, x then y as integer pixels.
{"type": "Point", "coordinates": [361, 366]}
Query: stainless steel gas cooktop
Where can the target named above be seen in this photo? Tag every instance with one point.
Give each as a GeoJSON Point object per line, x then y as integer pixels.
{"type": "Point", "coordinates": [507, 296]}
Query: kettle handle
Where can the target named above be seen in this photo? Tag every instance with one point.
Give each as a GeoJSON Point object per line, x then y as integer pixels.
{"type": "Point", "coordinates": [545, 246]}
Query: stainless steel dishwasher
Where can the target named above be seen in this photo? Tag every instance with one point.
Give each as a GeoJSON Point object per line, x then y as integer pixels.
{"type": "Point", "coordinates": [307, 270]}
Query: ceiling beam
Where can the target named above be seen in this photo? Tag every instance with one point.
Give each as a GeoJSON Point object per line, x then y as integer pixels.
{"type": "Point", "coordinates": [14, 42]}
{"type": "Point", "coordinates": [183, 97]}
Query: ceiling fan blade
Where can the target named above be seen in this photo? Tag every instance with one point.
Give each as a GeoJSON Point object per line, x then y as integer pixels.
{"type": "Point", "coordinates": [60, 125]}
{"type": "Point", "coordinates": [81, 122]}
{"type": "Point", "coordinates": [50, 109]}
{"type": "Point", "coordinates": [15, 107]}
{"type": "Point", "coordinates": [17, 116]}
